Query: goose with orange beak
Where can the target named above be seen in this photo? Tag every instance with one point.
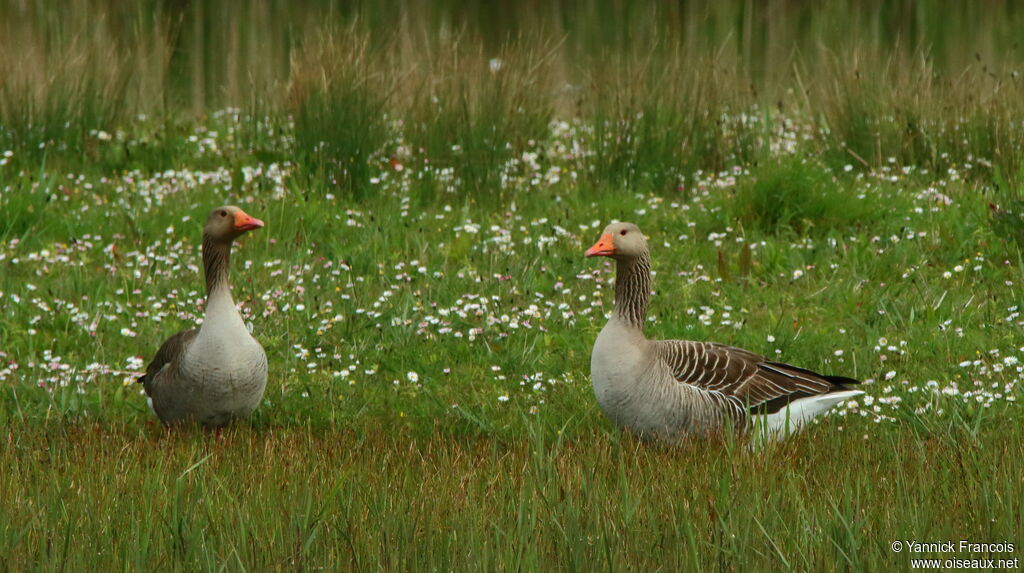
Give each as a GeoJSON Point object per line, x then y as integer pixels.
{"type": "Point", "coordinates": [671, 389]}
{"type": "Point", "coordinates": [216, 373]}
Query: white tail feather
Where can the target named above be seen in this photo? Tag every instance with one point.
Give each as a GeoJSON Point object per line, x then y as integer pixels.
{"type": "Point", "coordinates": [790, 419]}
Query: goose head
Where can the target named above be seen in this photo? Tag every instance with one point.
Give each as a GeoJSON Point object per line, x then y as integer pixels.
{"type": "Point", "coordinates": [227, 223]}
{"type": "Point", "coordinates": [621, 241]}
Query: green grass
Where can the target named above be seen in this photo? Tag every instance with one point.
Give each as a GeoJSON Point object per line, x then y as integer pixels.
{"type": "Point", "coordinates": [795, 195]}
{"type": "Point", "coordinates": [360, 498]}
{"type": "Point", "coordinates": [839, 188]}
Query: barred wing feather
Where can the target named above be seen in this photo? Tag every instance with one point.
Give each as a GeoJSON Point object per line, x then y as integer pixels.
{"type": "Point", "coordinates": [763, 386]}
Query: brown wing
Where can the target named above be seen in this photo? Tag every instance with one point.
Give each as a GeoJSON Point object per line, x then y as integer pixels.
{"type": "Point", "coordinates": [762, 385]}
{"type": "Point", "coordinates": [169, 352]}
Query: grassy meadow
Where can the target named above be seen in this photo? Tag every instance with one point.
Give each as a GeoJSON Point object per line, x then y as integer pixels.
{"type": "Point", "coordinates": [836, 186]}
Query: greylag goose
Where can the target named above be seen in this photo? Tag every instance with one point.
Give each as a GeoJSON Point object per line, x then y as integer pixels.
{"type": "Point", "coordinates": [674, 388]}
{"type": "Point", "coordinates": [217, 372]}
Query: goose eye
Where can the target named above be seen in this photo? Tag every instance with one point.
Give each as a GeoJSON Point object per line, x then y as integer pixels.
{"type": "Point", "coordinates": [623, 232]}
{"type": "Point", "coordinates": [223, 213]}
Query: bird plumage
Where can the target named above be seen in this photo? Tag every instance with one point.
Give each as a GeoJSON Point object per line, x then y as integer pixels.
{"type": "Point", "coordinates": [673, 388]}
{"type": "Point", "coordinates": [215, 373]}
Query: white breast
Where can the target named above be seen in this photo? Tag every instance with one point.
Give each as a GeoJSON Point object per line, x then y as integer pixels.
{"type": "Point", "coordinates": [620, 375]}
{"type": "Point", "coordinates": [226, 364]}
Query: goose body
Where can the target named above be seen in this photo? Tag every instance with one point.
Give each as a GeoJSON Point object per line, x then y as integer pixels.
{"type": "Point", "coordinates": [675, 388]}
{"type": "Point", "coordinates": [215, 373]}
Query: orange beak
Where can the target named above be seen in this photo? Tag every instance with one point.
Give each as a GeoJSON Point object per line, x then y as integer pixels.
{"type": "Point", "coordinates": [244, 222]}
{"type": "Point", "coordinates": [602, 248]}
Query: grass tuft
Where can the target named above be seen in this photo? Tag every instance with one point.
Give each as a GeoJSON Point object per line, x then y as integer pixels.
{"type": "Point", "coordinates": [796, 195]}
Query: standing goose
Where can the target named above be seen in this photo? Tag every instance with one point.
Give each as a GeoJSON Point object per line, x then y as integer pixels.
{"type": "Point", "coordinates": [674, 388]}
{"type": "Point", "coordinates": [217, 372]}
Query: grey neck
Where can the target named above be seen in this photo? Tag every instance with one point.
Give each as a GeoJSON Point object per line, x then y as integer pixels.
{"type": "Point", "coordinates": [216, 257]}
{"type": "Point", "coordinates": [633, 289]}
